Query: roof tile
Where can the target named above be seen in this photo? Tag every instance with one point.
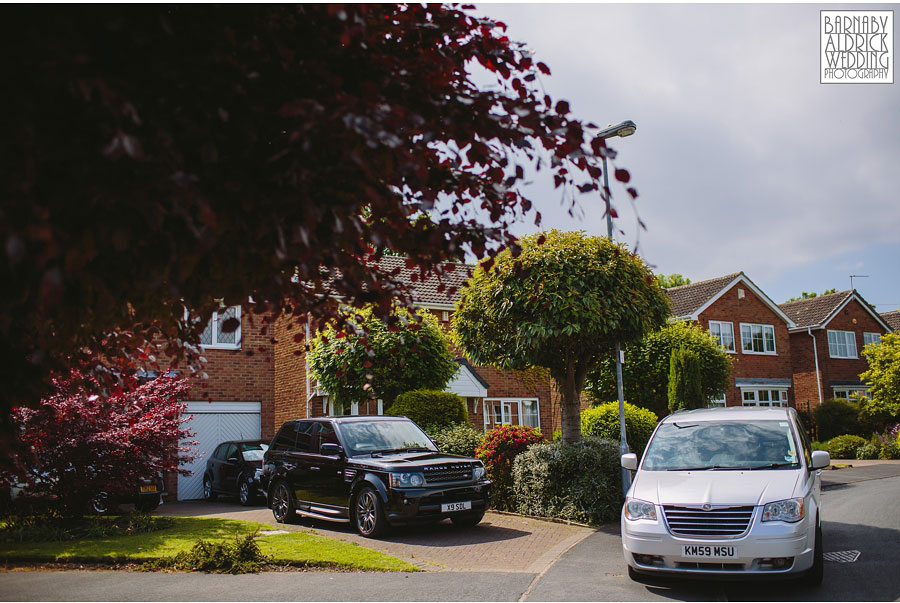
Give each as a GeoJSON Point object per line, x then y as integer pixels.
{"type": "Point", "coordinates": [813, 311]}
{"type": "Point", "coordinates": [687, 299]}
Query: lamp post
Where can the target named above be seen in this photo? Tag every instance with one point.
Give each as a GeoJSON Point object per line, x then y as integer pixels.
{"type": "Point", "coordinates": [626, 128]}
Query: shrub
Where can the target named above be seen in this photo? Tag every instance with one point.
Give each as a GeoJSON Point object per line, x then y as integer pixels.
{"type": "Point", "coordinates": [498, 450]}
{"type": "Point", "coordinates": [685, 389]}
{"type": "Point", "coordinates": [836, 417]}
{"type": "Point", "coordinates": [818, 446]}
{"type": "Point", "coordinates": [603, 421]}
{"type": "Point", "coordinates": [430, 408]}
{"type": "Point", "coordinates": [239, 557]}
{"type": "Point", "coordinates": [844, 446]}
{"type": "Point", "coordinates": [578, 481]}
{"type": "Point", "coordinates": [868, 451]}
{"type": "Point", "coordinates": [461, 439]}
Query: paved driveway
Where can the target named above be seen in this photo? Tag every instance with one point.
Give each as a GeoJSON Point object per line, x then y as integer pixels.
{"type": "Point", "coordinates": [500, 543]}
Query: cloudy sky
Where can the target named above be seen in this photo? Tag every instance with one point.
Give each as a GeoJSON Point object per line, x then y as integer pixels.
{"type": "Point", "coordinates": [742, 160]}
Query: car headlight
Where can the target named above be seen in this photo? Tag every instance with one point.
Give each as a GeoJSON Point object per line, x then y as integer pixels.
{"type": "Point", "coordinates": [789, 510]}
{"type": "Point", "coordinates": [478, 473]}
{"type": "Point", "coordinates": [639, 509]}
{"type": "Point", "coordinates": [407, 480]}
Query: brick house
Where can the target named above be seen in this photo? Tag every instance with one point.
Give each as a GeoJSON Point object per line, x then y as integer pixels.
{"type": "Point", "coordinates": [828, 334]}
{"type": "Point", "coordinates": [258, 379]}
{"type": "Point", "coordinates": [751, 327]}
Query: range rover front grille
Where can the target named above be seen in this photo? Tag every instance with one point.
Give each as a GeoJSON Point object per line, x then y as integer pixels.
{"type": "Point", "coordinates": [452, 472]}
{"type": "Point", "coordinates": [716, 521]}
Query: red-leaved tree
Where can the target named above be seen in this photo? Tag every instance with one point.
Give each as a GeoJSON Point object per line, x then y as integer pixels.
{"type": "Point", "coordinates": [162, 155]}
{"type": "Point", "coordinates": [76, 443]}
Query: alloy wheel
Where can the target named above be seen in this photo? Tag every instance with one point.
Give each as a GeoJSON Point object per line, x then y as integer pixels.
{"type": "Point", "coordinates": [366, 512]}
{"type": "Point", "coordinates": [244, 492]}
{"type": "Point", "coordinates": [280, 502]}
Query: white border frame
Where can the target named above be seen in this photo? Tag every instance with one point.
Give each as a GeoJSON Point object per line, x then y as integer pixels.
{"type": "Point", "coordinates": [733, 338]}
{"type": "Point", "coordinates": [855, 347]}
{"type": "Point", "coordinates": [486, 401]}
{"type": "Point", "coordinates": [763, 353]}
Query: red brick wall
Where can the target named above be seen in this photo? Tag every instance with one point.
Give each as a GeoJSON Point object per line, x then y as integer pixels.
{"type": "Point", "coordinates": [751, 309]}
{"type": "Point", "coordinates": [290, 369]}
{"type": "Point", "coordinates": [853, 317]}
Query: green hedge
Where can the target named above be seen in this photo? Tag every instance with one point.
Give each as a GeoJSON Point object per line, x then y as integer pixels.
{"type": "Point", "coordinates": [579, 481]}
{"type": "Point", "coordinates": [461, 439]}
{"type": "Point", "coordinates": [836, 417]}
{"type": "Point", "coordinates": [430, 408]}
{"type": "Point", "coordinates": [603, 421]}
{"type": "Point", "coordinates": [844, 446]}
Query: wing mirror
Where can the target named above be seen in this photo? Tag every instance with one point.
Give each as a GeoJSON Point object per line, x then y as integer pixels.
{"type": "Point", "coordinates": [330, 449]}
{"type": "Point", "coordinates": [820, 459]}
{"type": "Point", "coordinates": [630, 461]}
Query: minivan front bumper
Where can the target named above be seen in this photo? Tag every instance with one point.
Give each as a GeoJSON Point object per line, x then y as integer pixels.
{"type": "Point", "coordinates": [765, 549]}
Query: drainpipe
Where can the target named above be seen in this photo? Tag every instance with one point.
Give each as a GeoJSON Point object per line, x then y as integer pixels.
{"type": "Point", "coordinates": [816, 358]}
{"type": "Point", "coordinates": [308, 378]}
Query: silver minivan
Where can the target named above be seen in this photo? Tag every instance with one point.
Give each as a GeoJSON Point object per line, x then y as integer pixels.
{"type": "Point", "coordinates": [726, 492]}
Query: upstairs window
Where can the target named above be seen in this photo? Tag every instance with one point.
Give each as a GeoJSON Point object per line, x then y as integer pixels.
{"type": "Point", "coordinates": [214, 336]}
{"type": "Point", "coordinates": [757, 339]}
{"type": "Point", "coordinates": [842, 344]}
{"type": "Point", "coordinates": [724, 334]}
{"type": "Point", "coordinates": [871, 338]}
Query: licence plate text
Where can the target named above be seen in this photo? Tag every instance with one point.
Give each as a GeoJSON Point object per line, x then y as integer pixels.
{"type": "Point", "coordinates": [712, 551]}
{"type": "Point", "coordinates": [457, 506]}
{"type": "Point", "coordinates": [148, 488]}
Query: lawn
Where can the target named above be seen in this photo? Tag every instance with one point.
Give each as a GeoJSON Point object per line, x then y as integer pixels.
{"type": "Point", "coordinates": [296, 548]}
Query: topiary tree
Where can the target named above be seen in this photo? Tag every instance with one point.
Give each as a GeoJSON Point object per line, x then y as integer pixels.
{"type": "Point", "coordinates": [461, 439]}
{"type": "Point", "coordinates": [559, 301]}
{"type": "Point", "coordinates": [602, 421]}
{"type": "Point", "coordinates": [883, 376]}
{"type": "Point", "coordinates": [76, 443]}
{"type": "Point", "coordinates": [373, 358]}
{"type": "Point", "coordinates": [434, 409]}
{"type": "Point", "coordinates": [647, 362]}
{"type": "Point", "coordinates": [685, 387]}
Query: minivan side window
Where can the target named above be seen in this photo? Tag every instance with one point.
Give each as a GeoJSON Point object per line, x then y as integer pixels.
{"type": "Point", "coordinates": [286, 437]}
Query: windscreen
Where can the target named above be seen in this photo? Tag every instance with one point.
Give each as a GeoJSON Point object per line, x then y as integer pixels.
{"type": "Point", "coordinates": [721, 445]}
{"type": "Point", "coordinates": [253, 452]}
{"type": "Point", "coordinates": [367, 437]}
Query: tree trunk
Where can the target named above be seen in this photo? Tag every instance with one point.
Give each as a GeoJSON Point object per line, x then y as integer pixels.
{"type": "Point", "coordinates": [570, 404]}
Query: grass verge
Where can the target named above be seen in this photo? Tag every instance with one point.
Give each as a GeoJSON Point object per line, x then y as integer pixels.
{"type": "Point", "coordinates": [297, 549]}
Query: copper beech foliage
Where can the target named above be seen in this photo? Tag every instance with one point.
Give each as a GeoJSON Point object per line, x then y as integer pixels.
{"type": "Point", "coordinates": [75, 443]}
{"type": "Point", "coordinates": [156, 157]}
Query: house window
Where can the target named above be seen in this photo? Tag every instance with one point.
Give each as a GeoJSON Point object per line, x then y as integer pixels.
{"type": "Point", "coordinates": [511, 411]}
{"type": "Point", "coordinates": [724, 334]}
{"type": "Point", "coordinates": [842, 344]}
{"type": "Point", "coordinates": [845, 393]}
{"type": "Point", "coordinates": [214, 336]}
{"type": "Point", "coordinates": [445, 315]}
{"type": "Point", "coordinates": [718, 401]}
{"type": "Point", "coordinates": [757, 339]}
{"type": "Point", "coordinates": [764, 397]}
{"type": "Point", "coordinates": [869, 338]}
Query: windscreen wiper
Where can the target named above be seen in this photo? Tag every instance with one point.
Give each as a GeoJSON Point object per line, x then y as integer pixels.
{"type": "Point", "coordinates": [709, 468]}
{"type": "Point", "coordinates": [772, 466]}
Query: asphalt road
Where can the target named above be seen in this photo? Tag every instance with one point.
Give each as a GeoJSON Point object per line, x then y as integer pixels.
{"type": "Point", "coordinates": [857, 516]}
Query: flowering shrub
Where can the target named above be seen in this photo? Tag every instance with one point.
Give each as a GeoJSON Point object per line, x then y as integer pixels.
{"type": "Point", "coordinates": [77, 443]}
{"type": "Point", "coordinates": [497, 451]}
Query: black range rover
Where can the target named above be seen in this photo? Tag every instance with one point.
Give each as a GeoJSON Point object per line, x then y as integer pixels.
{"type": "Point", "coordinates": [373, 471]}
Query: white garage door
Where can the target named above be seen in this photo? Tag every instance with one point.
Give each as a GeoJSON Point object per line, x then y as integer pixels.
{"type": "Point", "coordinates": [214, 423]}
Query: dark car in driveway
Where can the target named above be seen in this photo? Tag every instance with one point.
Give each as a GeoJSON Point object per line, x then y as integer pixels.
{"type": "Point", "coordinates": [372, 471]}
{"type": "Point", "coordinates": [233, 469]}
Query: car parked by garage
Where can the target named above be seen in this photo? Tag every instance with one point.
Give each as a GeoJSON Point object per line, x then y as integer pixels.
{"type": "Point", "coordinates": [728, 492]}
{"type": "Point", "coordinates": [234, 469]}
{"type": "Point", "coordinates": [375, 472]}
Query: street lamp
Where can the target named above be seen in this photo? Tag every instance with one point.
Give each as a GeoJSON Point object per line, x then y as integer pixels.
{"type": "Point", "coordinates": [626, 128]}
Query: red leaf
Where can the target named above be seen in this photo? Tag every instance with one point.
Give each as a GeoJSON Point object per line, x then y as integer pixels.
{"type": "Point", "coordinates": [622, 175]}
{"type": "Point", "coordinates": [562, 107]}
{"type": "Point", "coordinates": [543, 68]}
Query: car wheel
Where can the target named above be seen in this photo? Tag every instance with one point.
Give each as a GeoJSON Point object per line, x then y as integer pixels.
{"type": "Point", "coordinates": [245, 492]}
{"type": "Point", "coordinates": [283, 507]}
{"type": "Point", "coordinates": [145, 504]}
{"type": "Point", "coordinates": [368, 513]}
{"type": "Point", "coordinates": [208, 493]}
{"type": "Point", "coordinates": [100, 504]}
{"type": "Point", "coordinates": [467, 521]}
{"type": "Point", "coordinates": [815, 574]}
